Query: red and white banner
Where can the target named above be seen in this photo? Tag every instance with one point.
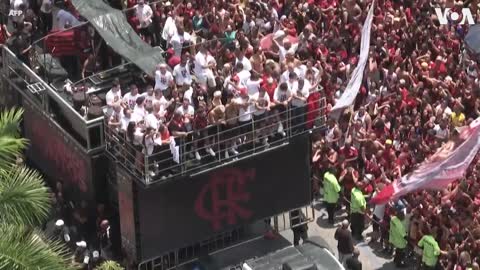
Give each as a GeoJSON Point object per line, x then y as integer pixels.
{"type": "Point", "coordinates": [448, 164]}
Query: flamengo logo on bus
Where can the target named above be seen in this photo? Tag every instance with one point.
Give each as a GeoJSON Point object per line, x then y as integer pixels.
{"type": "Point", "coordinates": [445, 14]}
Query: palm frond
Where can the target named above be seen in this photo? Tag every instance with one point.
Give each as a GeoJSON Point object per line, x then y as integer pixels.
{"type": "Point", "coordinates": [10, 148]}
{"type": "Point", "coordinates": [11, 144]}
{"type": "Point", "coordinates": [25, 249]}
{"type": "Point", "coordinates": [10, 121]}
{"type": "Point", "coordinates": [110, 265]}
{"type": "Point", "coordinates": [24, 199]}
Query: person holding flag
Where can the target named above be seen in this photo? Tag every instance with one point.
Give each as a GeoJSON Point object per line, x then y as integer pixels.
{"type": "Point", "coordinates": [331, 190]}
{"type": "Point", "coordinates": [398, 238]}
{"type": "Point", "coordinates": [358, 206]}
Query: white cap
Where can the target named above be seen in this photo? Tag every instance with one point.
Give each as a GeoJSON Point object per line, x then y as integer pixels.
{"type": "Point", "coordinates": [217, 94]}
{"type": "Point", "coordinates": [167, 4]}
{"type": "Point", "coordinates": [270, 80]}
{"type": "Point", "coordinates": [402, 81]}
{"type": "Point", "coordinates": [59, 223]}
{"type": "Point", "coordinates": [82, 244]}
{"type": "Point", "coordinates": [95, 254]}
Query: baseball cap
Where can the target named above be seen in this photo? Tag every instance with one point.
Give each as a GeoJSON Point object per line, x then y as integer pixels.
{"type": "Point", "coordinates": [388, 141]}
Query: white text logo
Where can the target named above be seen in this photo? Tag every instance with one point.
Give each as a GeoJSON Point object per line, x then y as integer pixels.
{"type": "Point", "coordinates": [446, 15]}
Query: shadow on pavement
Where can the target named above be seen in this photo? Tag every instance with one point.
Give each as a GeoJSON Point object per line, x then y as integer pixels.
{"type": "Point", "coordinates": [389, 266]}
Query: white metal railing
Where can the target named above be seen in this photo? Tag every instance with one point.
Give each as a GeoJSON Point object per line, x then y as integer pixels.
{"type": "Point", "coordinates": [161, 166]}
{"type": "Point", "coordinates": [30, 85]}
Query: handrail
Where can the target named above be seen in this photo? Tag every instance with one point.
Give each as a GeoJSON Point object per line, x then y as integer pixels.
{"type": "Point", "coordinates": [50, 91]}
{"type": "Point", "coordinates": [164, 168]}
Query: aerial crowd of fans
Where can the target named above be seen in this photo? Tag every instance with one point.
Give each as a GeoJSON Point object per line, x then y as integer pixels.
{"type": "Point", "coordinates": [229, 63]}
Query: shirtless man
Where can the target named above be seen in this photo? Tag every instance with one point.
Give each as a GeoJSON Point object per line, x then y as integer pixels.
{"type": "Point", "coordinates": [351, 12]}
{"type": "Point", "coordinates": [257, 59]}
{"type": "Point", "coordinates": [231, 127]}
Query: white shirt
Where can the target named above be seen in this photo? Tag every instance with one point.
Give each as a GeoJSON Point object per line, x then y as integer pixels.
{"type": "Point", "coordinates": [117, 116]}
{"type": "Point", "coordinates": [304, 92]}
{"type": "Point", "coordinates": [152, 121]}
{"type": "Point", "coordinates": [144, 15]}
{"type": "Point", "coordinates": [163, 81]}
{"type": "Point", "coordinates": [162, 101]}
{"type": "Point", "coordinates": [113, 97]}
{"type": "Point", "coordinates": [188, 94]}
{"type": "Point", "coordinates": [252, 87]}
{"type": "Point", "coordinates": [446, 112]}
{"type": "Point", "coordinates": [302, 71]}
{"type": "Point", "coordinates": [247, 65]}
{"type": "Point", "coordinates": [244, 114]}
{"type": "Point", "coordinates": [292, 86]}
{"type": "Point", "coordinates": [149, 145]}
{"type": "Point", "coordinates": [379, 210]}
{"type": "Point", "coordinates": [63, 17]}
{"type": "Point", "coordinates": [177, 42]}
{"type": "Point", "coordinates": [169, 29]}
{"type": "Point", "coordinates": [124, 122]}
{"type": "Point", "coordinates": [248, 26]}
{"type": "Point", "coordinates": [138, 137]}
{"type": "Point", "coordinates": [281, 96]}
{"type": "Point", "coordinates": [184, 111]}
{"type": "Point", "coordinates": [200, 62]}
{"type": "Point", "coordinates": [211, 59]}
{"type": "Point", "coordinates": [441, 132]}
{"type": "Point", "coordinates": [282, 52]}
{"type": "Point", "coordinates": [139, 112]}
{"type": "Point", "coordinates": [263, 101]}
{"type": "Point", "coordinates": [182, 74]}
{"type": "Point", "coordinates": [148, 99]}
{"type": "Point", "coordinates": [243, 75]}
{"type": "Point", "coordinates": [130, 99]}
{"type": "Point", "coordinates": [286, 74]}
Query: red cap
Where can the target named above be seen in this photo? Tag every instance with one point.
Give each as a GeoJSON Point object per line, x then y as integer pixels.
{"type": "Point", "coordinates": [235, 78]}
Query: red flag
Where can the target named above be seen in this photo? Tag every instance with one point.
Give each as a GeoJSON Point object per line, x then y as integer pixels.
{"type": "Point", "coordinates": [266, 42]}
{"type": "Point", "coordinates": [448, 164]}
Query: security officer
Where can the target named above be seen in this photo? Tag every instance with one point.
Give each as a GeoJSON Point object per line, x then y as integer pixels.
{"type": "Point", "coordinates": [398, 238]}
{"type": "Point", "coordinates": [358, 206]}
{"type": "Point", "coordinates": [331, 190]}
{"type": "Point", "coordinates": [431, 250]}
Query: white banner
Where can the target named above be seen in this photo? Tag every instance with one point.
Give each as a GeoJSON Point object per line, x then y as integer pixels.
{"type": "Point", "coordinates": [353, 86]}
{"type": "Point", "coordinates": [448, 164]}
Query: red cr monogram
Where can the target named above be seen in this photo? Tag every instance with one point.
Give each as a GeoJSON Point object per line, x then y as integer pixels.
{"type": "Point", "coordinates": [210, 205]}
